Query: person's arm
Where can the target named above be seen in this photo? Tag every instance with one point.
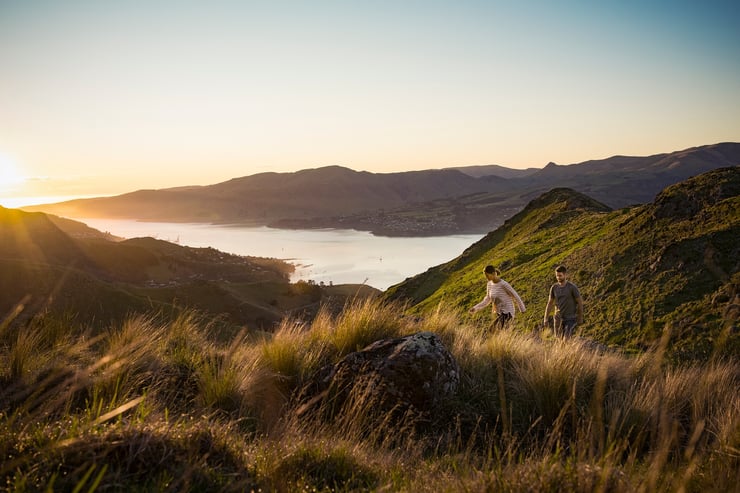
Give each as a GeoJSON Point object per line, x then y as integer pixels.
{"type": "Point", "coordinates": [486, 301]}
{"type": "Point", "coordinates": [515, 296]}
{"type": "Point", "coordinates": [579, 303]}
{"type": "Point", "coordinates": [550, 303]}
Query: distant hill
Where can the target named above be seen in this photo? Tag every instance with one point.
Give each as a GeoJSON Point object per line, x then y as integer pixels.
{"type": "Point", "coordinates": [672, 265]}
{"type": "Point", "coordinates": [495, 170]}
{"type": "Point", "coordinates": [618, 181]}
{"type": "Point", "coordinates": [266, 197]}
{"type": "Point", "coordinates": [623, 180]}
{"type": "Point", "coordinates": [431, 202]}
{"type": "Point", "coordinates": [56, 267]}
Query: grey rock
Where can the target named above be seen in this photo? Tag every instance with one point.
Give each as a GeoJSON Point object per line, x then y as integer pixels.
{"type": "Point", "coordinates": [413, 373]}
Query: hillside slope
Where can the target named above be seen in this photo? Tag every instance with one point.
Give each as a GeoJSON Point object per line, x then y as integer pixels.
{"type": "Point", "coordinates": [669, 265]}
{"type": "Point", "coordinates": [66, 270]}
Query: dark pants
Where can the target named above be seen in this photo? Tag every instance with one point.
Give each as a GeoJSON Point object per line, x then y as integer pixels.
{"type": "Point", "coordinates": [565, 327]}
{"type": "Point", "coordinates": [502, 321]}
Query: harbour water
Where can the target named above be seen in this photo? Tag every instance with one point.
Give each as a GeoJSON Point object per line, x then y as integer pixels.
{"type": "Point", "coordinates": [329, 256]}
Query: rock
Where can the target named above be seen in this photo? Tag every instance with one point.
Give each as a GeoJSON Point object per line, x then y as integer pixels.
{"type": "Point", "coordinates": [594, 346]}
{"type": "Point", "coordinates": [414, 373]}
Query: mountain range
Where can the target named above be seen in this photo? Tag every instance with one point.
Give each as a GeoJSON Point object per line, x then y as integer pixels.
{"type": "Point", "coordinates": [472, 199]}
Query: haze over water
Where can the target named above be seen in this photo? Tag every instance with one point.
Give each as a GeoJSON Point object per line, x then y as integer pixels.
{"type": "Point", "coordinates": [329, 256]}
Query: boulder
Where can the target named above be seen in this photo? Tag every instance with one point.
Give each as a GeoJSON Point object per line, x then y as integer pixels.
{"type": "Point", "coordinates": [415, 373]}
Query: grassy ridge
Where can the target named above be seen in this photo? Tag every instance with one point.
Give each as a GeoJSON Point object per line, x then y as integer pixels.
{"type": "Point", "coordinates": [667, 267]}
{"type": "Point", "coordinates": [150, 406]}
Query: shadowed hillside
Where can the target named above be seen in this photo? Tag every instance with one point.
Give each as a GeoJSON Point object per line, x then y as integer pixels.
{"type": "Point", "coordinates": [669, 267]}
{"type": "Point", "coordinates": [56, 267]}
{"type": "Point", "coordinates": [620, 181]}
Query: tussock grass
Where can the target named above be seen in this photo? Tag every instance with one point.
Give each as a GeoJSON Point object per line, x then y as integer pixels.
{"type": "Point", "coordinates": [318, 466]}
{"type": "Point", "coordinates": [150, 406]}
{"type": "Point", "coordinates": [364, 322]}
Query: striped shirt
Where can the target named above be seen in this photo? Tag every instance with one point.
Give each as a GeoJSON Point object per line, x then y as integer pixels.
{"type": "Point", "coordinates": [503, 296]}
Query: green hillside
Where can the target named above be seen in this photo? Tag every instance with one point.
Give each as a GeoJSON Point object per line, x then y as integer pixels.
{"type": "Point", "coordinates": [669, 267]}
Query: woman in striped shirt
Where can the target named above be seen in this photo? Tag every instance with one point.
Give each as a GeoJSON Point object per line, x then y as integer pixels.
{"type": "Point", "coordinates": [502, 295]}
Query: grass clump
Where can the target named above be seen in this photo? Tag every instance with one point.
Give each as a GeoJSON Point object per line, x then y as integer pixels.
{"type": "Point", "coordinates": [313, 467]}
{"type": "Point", "coordinates": [364, 322]}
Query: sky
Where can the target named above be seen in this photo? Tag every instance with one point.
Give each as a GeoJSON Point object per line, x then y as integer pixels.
{"type": "Point", "coordinates": [105, 97]}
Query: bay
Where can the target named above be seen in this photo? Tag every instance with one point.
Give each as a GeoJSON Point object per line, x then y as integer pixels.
{"type": "Point", "coordinates": [328, 255]}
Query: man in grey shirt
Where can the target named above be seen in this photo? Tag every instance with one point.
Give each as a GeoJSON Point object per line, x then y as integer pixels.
{"type": "Point", "coordinates": [566, 298]}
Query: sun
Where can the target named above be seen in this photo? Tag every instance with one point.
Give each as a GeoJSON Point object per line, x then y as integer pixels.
{"type": "Point", "coordinates": [9, 174]}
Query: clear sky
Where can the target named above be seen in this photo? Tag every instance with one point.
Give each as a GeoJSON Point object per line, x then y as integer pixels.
{"type": "Point", "coordinates": [102, 97]}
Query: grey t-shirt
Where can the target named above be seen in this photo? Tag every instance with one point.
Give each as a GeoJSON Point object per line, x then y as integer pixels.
{"type": "Point", "coordinates": [565, 299]}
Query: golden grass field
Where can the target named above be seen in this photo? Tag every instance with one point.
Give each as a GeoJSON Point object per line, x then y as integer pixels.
{"type": "Point", "coordinates": [171, 406]}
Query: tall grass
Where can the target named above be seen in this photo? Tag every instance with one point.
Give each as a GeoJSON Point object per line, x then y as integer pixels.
{"type": "Point", "coordinates": [363, 322]}
{"type": "Point", "coordinates": [150, 406]}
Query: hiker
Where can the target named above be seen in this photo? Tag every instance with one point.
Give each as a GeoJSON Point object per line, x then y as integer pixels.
{"type": "Point", "coordinates": [566, 299]}
{"type": "Point", "coordinates": [502, 295]}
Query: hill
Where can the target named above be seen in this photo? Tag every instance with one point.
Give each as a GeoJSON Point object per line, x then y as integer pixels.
{"type": "Point", "coordinates": [620, 181]}
{"type": "Point", "coordinates": [667, 267]}
{"type": "Point", "coordinates": [431, 202]}
{"type": "Point", "coordinates": [60, 268]}
{"type": "Point", "coordinates": [494, 169]}
{"type": "Point", "coordinates": [267, 197]}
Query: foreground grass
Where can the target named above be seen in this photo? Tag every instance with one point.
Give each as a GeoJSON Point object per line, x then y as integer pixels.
{"type": "Point", "coordinates": [171, 407]}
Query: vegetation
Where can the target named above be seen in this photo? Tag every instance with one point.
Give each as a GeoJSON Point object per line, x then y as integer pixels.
{"type": "Point", "coordinates": [668, 269]}
{"type": "Point", "coordinates": [149, 406]}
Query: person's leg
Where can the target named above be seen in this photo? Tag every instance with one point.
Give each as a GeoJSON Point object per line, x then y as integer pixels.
{"type": "Point", "coordinates": [569, 327]}
{"type": "Point", "coordinates": [501, 321]}
{"type": "Point", "coordinates": [557, 325]}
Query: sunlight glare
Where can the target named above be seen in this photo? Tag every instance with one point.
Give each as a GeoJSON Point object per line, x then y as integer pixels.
{"type": "Point", "coordinates": [9, 174]}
